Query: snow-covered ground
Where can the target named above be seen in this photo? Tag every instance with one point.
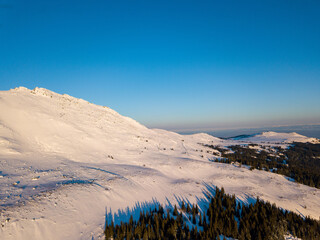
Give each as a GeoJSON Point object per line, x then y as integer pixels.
{"type": "Point", "coordinates": [276, 138]}
{"type": "Point", "coordinates": [65, 162]}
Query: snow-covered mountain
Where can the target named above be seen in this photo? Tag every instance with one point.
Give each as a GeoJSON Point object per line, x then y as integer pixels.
{"type": "Point", "coordinates": [276, 138]}
{"type": "Point", "coordinates": [64, 162]}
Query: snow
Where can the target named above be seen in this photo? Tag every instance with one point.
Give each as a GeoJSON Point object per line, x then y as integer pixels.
{"type": "Point", "coordinates": [65, 163]}
{"type": "Point", "coordinates": [278, 138]}
{"type": "Point", "coordinates": [290, 237]}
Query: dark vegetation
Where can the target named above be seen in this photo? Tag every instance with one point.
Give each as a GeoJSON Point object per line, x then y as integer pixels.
{"type": "Point", "coordinates": [223, 216]}
{"type": "Point", "coordinates": [301, 161]}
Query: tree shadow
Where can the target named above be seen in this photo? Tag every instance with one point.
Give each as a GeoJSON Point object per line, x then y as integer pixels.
{"type": "Point", "coordinates": [208, 191]}
{"type": "Point", "coordinates": [123, 215]}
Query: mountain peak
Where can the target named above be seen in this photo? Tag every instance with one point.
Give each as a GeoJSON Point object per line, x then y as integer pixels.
{"type": "Point", "coordinates": [36, 90]}
{"type": "Point", "coordinates": [19, 89]}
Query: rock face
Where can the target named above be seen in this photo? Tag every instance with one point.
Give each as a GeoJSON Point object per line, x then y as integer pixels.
{"type": "Point", "coordinates": [64, 161]}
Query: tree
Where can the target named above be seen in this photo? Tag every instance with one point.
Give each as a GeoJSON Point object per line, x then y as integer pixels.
{"type": "Point", "coordinates": [188, 208]}
{"type": "Point", "coordinates": [183, 207]}
{"type": "Point", "coordinates": [175, 211]}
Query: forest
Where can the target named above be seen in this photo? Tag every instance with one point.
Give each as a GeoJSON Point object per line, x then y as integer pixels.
{"type": "Point", "coordinates": [301, 161]}
{"type": "Point", "coordinates": [223, 216]}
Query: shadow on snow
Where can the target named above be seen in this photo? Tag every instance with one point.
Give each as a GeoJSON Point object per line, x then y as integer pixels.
{"type": "Point", "coordinates": [208, 191]}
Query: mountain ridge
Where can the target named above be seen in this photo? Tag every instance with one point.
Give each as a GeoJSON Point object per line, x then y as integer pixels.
{"type": "Point", "coordinates": [63, 161]}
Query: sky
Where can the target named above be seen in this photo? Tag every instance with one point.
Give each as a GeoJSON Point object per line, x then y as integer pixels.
{"type": "Point", "coordinates": [171, 64]}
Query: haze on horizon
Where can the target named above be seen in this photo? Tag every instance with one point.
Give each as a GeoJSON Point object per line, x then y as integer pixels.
{"type": "Point", "coordinates": [173, 65]}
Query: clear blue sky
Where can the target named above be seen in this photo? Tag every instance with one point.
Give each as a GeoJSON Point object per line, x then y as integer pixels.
{"type": "Point", "coordinates": [171, 64]}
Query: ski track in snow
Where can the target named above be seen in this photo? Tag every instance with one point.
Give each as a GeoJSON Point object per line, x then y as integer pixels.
{"type": "Point", "coordinates": [67, 165]}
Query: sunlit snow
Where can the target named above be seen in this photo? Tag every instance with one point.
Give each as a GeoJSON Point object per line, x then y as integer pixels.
{"type": "Point", "coordinates": [65, 163]}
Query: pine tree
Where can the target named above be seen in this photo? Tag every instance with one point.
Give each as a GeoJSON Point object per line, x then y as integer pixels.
{"type": "Point", "coordinates": [175, 211]}
{"type": "Point", "coordinates": [197, 209]}
{"type": "Point", "coordinates": [183, 207]}
{"type": "Point", "coordinates": [259, 221]}
{"type": "Point", "coordinates": [200, 220]}
{"type": "Point", "coordinates": [188, 208]}
{"type": "Point", "coordinates": [194, 218]}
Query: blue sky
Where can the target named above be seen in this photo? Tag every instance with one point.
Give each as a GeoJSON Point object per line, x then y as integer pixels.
{"type": "Point", "coordinates": [171, 64]}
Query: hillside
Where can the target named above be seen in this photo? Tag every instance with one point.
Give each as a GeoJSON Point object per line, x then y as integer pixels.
{"type": "Point", "coordinates": [65, 162]}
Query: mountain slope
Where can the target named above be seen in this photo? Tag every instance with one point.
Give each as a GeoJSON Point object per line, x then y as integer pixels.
{"type": "Point", "coordinates": [63, 161]}
{"type": "Point", "coordinates": [274, 137]}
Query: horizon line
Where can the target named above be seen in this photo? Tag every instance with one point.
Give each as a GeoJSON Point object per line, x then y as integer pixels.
{"type": "Point", "coordinates": [233, 128]}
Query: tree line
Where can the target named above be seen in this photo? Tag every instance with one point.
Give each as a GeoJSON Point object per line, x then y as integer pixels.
{"type": "Point", "coordinates": [224, 215]}
{"type": "Point", "coordinates": [301, 161]}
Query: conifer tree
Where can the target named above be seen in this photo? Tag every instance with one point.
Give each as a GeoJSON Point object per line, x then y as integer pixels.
{"type": "Point", "coordinates": [188, 208]}
{"type": "Point", "coordinates": [175, 211]}
{"type": "Point", "coordinates": [183, 207]}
